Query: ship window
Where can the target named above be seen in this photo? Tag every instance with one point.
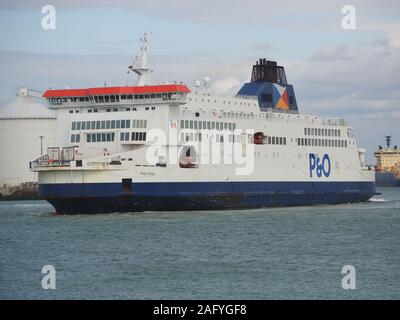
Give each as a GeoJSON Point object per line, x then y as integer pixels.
{"type": "Point", "coordinates": [103, 137]}
{"type": "Point", "coordinates": [217, 125]}
{"type": "Point", "coordinates": [182, 124]}
{"type": "Point", "coordinates": [212, 125]}
{"type": "Point", "coordinates": [200, 125]}
{"type": "Point", "coordinates": [195, 124]}
{"type": "Point", "coordinates": [208, 125]}
{"type": "Point", "coordinates": [122, 136]}
{"type": "Point", "coordinates": [123, 124]}
{"type": "Point", "coordinates": [128, 123]}
{"type": "Point", "coordinates": [103, 124]}
{"type": "Point", "coordinates": [112, 98]}
{"type": "Point", "coordinates": [191, 124]}
{"type": "Point", "coordinates": [83, 125]}
{"type": "Point", "coordinates": [273, 140]}
{"type": "Point", "coordinates": [123, 96]}
{"type": "Point", "coordinates": [77, 138]}
{"type": "Point", "coordinates": [140, 96]}
{"type": "Point", "coordinates": [73, 125]}
{"type": "Point", "coordinates": [269, 140]}
{"type": "Point", "coordinates": [106, 98]}
{"type": "Point", "coordinates": [72, 138]}
{"type": "Point", "coordinates": [133, 123]}
{"type": "Point", "coordinates": [78, 126]}
{"type": "Point", "coordinates": [81, 99]}
{"type": "Point", "coordinates": [230, 126]}
{"type": "Point", "coordinates": [305, 131]}
{"type": "Point", "coordinates": [118, 124]}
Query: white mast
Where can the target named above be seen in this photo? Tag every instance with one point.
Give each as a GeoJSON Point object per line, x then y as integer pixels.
{"type": "Point", "coordinates": [140, 65]}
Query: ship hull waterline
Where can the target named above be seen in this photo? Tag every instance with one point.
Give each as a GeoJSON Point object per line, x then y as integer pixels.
{"type": "Point", "coordinates": [93, 198]}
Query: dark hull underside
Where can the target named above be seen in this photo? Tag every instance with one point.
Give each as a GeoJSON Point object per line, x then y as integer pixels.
{"type": "Point", "coordinates": [386, 179]}
{"type": "Point", "coordinates": [188, 196]}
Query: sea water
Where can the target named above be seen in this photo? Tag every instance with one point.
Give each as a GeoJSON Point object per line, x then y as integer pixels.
{"type": "Point", "coordinates": [273, 253]}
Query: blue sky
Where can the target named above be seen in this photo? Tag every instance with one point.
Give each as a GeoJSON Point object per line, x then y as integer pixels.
{"type": "Point", "coordinates": [340, 73]}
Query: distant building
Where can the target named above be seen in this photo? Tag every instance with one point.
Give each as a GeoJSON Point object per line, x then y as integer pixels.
{"type": "Point", "coordinates": [27, 127]}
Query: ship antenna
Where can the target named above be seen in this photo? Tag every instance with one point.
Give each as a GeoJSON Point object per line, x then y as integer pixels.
{"type": "Point", "coordinates": [139, 66]}
{"type": "Point", "coordinates": [388, 140]}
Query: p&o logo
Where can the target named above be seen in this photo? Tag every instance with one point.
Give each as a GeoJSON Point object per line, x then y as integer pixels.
{"type": "Point", "coordinates": [319, 166]}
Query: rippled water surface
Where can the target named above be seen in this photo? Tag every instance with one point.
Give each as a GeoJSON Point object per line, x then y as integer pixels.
{"type": "Point", "coordinates": [295, 252]}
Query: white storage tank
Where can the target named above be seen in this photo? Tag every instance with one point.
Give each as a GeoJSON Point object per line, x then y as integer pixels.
{"type": "Point", "coordinates": [27, 126]}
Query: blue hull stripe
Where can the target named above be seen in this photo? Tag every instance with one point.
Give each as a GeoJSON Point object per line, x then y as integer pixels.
{"type": "Point", "coordinates": [167, 196]}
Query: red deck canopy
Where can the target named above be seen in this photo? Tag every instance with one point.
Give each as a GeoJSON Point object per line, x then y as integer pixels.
{"type": "Point", "coordinates": [116, 90]}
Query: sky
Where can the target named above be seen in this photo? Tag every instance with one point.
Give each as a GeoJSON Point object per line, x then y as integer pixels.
{"type": "Point", "coordinates": [336, 72]}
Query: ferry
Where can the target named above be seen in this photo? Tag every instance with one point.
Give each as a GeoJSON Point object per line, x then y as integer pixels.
{"type": "Point", "coordinates": [169, 147]}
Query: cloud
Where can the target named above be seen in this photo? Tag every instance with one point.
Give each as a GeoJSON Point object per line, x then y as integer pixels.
{"type": "Point", "coordinates": [225, 85]}
{"type": "Point", "coordinates": [306, 14]}
{"type": "Point", "coordinates": [339, 52]}
{"type": "Point", "coordinates": [263, 47]}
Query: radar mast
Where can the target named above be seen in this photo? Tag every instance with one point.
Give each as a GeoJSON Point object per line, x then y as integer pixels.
{"type": "Point", "coordinates": [139, 66]}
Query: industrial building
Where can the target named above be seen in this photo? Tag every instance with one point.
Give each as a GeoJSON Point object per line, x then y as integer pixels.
{"type": "Point", "coordinates": [27, 128]}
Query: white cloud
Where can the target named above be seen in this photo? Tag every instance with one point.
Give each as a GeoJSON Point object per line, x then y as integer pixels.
{"type": "Point", "coordinates": [225, 85]}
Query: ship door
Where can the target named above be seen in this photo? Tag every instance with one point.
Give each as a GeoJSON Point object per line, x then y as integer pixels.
{"type": "Point", "coordinates": [127, 185]}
